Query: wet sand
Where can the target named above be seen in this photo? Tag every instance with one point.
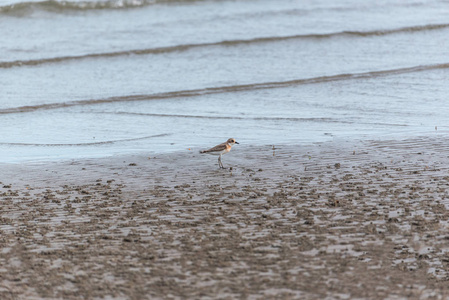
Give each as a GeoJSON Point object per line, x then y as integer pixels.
{"type": "Point", "coordinates": [338, 220]}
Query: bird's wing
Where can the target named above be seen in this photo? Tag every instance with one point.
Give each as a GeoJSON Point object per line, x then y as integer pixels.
{"type": "Point", "coordinates": [217, 148]}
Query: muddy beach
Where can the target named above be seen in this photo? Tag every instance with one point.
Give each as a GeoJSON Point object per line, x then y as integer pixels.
{"type": "Point", "coordinates": [336, 220]}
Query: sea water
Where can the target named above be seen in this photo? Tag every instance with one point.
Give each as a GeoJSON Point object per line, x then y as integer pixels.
{"type": "Point", "coordinates": [98, 78]}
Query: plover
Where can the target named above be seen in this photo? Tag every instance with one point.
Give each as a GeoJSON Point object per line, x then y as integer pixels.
{"type": "Point", "coordinates": [221, 149]}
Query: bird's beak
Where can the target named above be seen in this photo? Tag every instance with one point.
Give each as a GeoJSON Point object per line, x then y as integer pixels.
{"type": "Point", "coordinates": [237, 142]}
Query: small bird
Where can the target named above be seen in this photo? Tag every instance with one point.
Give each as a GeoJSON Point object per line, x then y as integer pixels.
{"type": "Point", "coordinates": [221, 149]}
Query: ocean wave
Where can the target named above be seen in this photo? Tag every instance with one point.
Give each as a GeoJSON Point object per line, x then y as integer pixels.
{"type": "Point", "coordinates": [245, 118]}
{"type": "Point", "coordinates": [85, 144]}
{"type": "Point", "coordinates": [185, 47]}
{"type": "Point", "coordinates": [295, 119]}
{"type": "Point", "coordinates": [25, 8]}
{"type": "Point", "coordinates": [61, 6]}
{"type": "Point", "coordinates": [290, 119]}
{"type": "Point", "coordinates": [228, 89]}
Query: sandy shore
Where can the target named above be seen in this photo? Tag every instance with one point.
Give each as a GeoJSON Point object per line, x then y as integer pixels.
{"type": "Point", "coordinates": [338, 220]}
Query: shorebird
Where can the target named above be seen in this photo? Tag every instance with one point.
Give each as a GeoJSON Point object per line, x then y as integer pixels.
{"type": "Point", "coordinates": [221, 149]}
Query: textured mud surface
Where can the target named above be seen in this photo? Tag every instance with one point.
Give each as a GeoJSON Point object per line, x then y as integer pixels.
{"type": "Point", "coordinates": [336, 220]}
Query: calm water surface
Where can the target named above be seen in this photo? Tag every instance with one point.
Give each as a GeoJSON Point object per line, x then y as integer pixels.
{"type": "Point", "coordinates": [98, 78]}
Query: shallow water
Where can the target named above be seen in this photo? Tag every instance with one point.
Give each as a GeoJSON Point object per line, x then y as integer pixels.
{"type": "Point", "coordinates": [97, 78]}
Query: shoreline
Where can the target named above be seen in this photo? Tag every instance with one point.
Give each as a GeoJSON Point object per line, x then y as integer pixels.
{"type": "Point", "coordinates": [333, 219]}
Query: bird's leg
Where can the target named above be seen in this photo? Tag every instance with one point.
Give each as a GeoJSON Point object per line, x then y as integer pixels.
{"type": "Point", "coordinates": [220, 164]}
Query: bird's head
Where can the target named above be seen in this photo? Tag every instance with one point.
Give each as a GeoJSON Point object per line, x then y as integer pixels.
{"type": "Point", "coordinates": [232, 141]}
